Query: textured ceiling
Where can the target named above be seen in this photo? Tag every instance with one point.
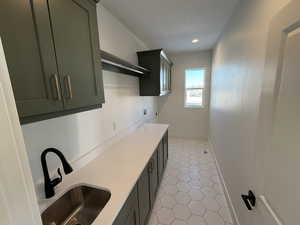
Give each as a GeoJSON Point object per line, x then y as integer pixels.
{"type": "Point", "coordinates": [173, 24]}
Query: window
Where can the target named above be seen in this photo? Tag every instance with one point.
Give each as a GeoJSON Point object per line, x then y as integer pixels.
{"type": "Point", "coordinates": [194, 88]}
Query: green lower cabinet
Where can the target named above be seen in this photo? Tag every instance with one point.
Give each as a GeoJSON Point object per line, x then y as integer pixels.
{"type": "Point", "coordinates": [144, 196]}
{"type": "Point", "coordinates": [129, 214]}
{"type": "Point", "coordinates": [166, 149]}
{"type": "Point", "coordinates": [137, 208]}
{"type": "Point", "coordinates": [132, 218]}
{"type": "Point", "coordinates": [153, 176]}
{"type": "Point", "coordinates": [160, 160]}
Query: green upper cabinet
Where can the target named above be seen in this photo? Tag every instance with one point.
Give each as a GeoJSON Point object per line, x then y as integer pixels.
{"type": "Point", "coordinates": [30, 55]}
{"type": "Point", "coordinates": [158, 82]}
{"type": "Point", "coordinates": [74, 24]}
{"type": "Point", "coordinates": [52, 54]}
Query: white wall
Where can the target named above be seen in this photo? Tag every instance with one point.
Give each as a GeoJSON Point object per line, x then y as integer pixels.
{"type": "Point", "coordinates": [186, 122]}
{"type": "Point", "coordinates": [238, 67]}
{"type": "Point", "coordinates": [79, 134]}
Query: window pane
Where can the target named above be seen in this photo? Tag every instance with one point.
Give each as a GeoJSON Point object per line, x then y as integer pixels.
{"type": "Point", "coordinates": [195, 78]}
{"type": "Point", "coordinates": [194, 97]}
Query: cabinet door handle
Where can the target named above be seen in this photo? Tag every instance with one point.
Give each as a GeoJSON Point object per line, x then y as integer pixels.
{"type": "Point", "coordinates": [68, 85]}
{"type": "Point", "coordinates": [57, 87]}
{"type": "Point", "coordinates": [150, 167]}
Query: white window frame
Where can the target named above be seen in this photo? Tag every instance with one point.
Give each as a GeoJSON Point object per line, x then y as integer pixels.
{"type": "Point", "coordinates": [191, 106]}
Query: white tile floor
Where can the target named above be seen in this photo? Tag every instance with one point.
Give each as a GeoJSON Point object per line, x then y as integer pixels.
{"type": "Point", "coordinates": [190, 192]}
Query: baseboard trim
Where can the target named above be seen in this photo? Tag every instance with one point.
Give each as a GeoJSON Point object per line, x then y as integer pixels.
{"type": "Point", "coordinates": [224, 186]}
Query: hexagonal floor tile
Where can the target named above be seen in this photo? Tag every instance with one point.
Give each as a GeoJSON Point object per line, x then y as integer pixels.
{"type": "Point", "coordinates": [205, 174]}
{"type": "Point", "coordinates": [153, 219]}
{"type": "Point", "coordinates": [167, 201]}
{"type": "Point", "coordinates": [161, 193]}
{"type": "Point", "coordinates": [196, 194]}
{"type": "Point", "coordinates": [191, 192]}
{"type": "Point", "coordinates": [165, 216]}
{"type": "Point", "coordinates": [196, 220]}
{"type": "Point", "coordinates": [182, 197]}
{"type": "Point", "coordinates": [183, 186]}
{"type": "Point", "coordinates": [157, 205]}
{"type": "Point", "coordinates": [205, 182]}
{"type": "Point", "coordinates": [218, 188]}
{"type": "Point", "coordinates": [211, 204]}
{"type": "Point", "coordinates": [196, 184]}
{"type": "Point", "coordinates": [221, 200]}
{"type": "Point", "coordinates": [225, 214]}
{"type": "Point", "coordinates": [213, 218]}
{"type": "Point", "coordinates": [181, 212]}
{"type": "Point", "coordinates": [182, 178]}
{"type": "Point", "coordinates": [179, 222]}
{"type": "Point", "coordinates": [197, 207]}
{"type": "Point", "coordinates": [215, 178]}
{"type": "Point", "coordinates": [195, 174]}
{"type": "Point", "coordinates": [208, 191]}
{"type": "Point", "coordinates": [170, 189]}
{"type": "Point", "coordinates": [171, 180]}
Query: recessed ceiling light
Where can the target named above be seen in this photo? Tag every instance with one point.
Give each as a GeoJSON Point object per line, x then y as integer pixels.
{"type": "Point", "coordinates": [195, 41]}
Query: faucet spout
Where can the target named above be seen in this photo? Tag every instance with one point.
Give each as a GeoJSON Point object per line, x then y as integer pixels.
{"type": "Point", "coordinates": [49, 185]}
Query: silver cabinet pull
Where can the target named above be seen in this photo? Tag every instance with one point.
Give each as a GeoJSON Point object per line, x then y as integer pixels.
{"type": "Point", "coordinates": [57, 87]}
{"type": "Point", "coordinates": [68, 86]}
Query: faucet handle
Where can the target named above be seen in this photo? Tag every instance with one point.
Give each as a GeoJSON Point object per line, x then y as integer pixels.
{"type": "Point", "coordinates": [57, 180]}
{"type": "Point", "coordinates": [59, 173]}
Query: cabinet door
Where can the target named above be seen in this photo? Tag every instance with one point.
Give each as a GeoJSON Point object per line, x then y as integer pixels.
{"type": "Point", "coordinates": [162, 76]}
{"type": "Point", "coordinates": [129, 214]}
{"type": "Point", "coordinates": [160, 162]}
{"type": "Point", "coordinates": [153, 173]}
{"type": "Point", "coordinates": [132, 217]}
{"type": "Point", "coordinates": [165, 75]}
{"type": "Point", "coordinates": [26, 34]}
{"type": "Point", "coordinates": [144, 196]}
{"type": "Point", "coordinates": [166, 150]}
{"type": "Point", "coordinates": [169, 77]}
{"type": "Point", "coordinates": [75, 32]}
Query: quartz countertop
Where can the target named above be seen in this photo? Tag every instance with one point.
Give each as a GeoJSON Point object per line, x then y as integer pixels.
{"type": "Point", "coordinates": [117, 169]}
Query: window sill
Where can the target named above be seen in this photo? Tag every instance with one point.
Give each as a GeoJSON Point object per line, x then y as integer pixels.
{"type": "Point", "coordinates": [194, 107]}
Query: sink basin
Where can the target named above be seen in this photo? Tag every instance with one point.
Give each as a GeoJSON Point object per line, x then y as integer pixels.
{"type": "Point", "coordinates": [79, 206]}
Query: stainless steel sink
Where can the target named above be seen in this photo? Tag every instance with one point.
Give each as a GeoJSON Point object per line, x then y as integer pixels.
{"type": "Point", "coordinates": [79, 206]}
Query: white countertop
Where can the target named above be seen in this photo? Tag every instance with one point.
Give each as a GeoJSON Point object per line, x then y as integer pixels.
{"type": "Point", "coordinates": [117, 169]}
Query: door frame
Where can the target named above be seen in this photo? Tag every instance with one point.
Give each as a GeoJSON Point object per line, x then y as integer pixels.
{"type": "Point", "coordinates": [269, 95]}
{"type": "Point", "coordinates": [17, 194]}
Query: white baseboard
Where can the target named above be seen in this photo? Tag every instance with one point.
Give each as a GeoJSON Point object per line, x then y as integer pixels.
{"type": "Point", "coordinates": [225, 189]}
